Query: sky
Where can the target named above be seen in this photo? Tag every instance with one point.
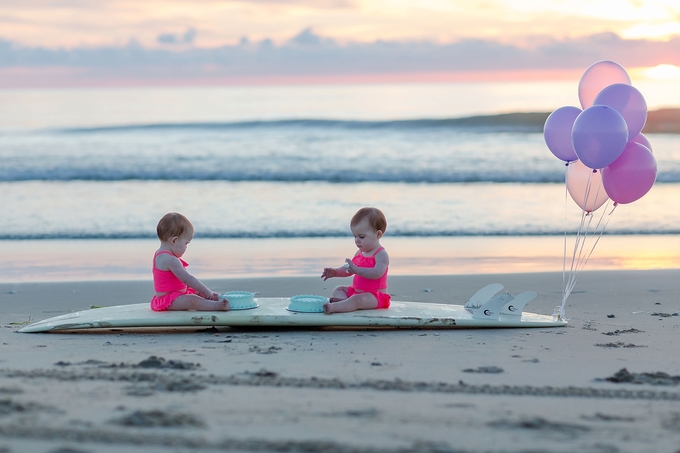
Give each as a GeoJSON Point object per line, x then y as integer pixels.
{"type": "Point", "coordinates": [194, 42]}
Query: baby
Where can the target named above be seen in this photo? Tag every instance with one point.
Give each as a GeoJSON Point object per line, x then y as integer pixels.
{"type": "Point", "coordinates": [175, 288]}
{"type": "Point", "coordinates": [369, 267]}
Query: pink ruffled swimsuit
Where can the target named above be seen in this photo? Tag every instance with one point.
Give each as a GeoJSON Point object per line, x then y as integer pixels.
{"type": "Point", "coordinates": [167, 282]}
{"type": "Point", "coordinates": [368, 285]}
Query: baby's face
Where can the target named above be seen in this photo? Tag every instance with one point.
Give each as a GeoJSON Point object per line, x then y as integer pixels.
{"type": "Point", "coordinates": [365, 237]}
{"type": "Point", "coordinates": [179, 246]}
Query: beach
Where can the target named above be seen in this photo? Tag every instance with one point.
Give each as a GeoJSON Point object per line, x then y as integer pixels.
{"type": "Point", "coordinates": [372, 390]}
{"type": "Point", "coordinates": [270, 177]}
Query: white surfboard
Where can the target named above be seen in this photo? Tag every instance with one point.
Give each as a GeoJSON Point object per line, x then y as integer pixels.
{"type": "Point", "coordinates": [273, 312]}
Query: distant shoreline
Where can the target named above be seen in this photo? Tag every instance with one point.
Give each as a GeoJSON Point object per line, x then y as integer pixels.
{"type": "Point", "coordinates": [658, 121]}
{"type": "Point", "coordinates": [662, 121]}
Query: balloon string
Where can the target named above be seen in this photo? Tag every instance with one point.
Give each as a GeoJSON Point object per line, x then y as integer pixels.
{"type": "Point", "coordinates": [581, 235]}
{"type": "Point", "coordinates": [566, 291]}
{"type": "Point", "coordinates": [579, 262]}
{"type": "Point", "coordinates": [603, 228]}
{"type": "Point", "coordinates": [566, 202]}
{"type": "Point", "coordinates": [597, 194]}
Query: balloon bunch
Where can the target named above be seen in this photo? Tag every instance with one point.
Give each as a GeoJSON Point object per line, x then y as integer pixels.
{"type": "Point", "coordinates": [606, 155]}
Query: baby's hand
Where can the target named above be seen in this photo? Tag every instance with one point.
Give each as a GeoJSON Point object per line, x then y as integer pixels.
{"type": "Point", "coordinates": [210, 296]}
{"type": "Point", "coordinates": [327, 273]}
{"type": "Point", "coordinates": [351, 267]}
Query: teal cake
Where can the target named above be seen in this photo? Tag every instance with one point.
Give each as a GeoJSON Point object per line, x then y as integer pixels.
{"type": "Point", "coordinates": [240, 300]}
{"type": "Point", "coordinates": [307, 303]}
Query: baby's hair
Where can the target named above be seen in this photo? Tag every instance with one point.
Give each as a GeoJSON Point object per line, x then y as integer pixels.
{"type": "Point", "coordinates": [376, 219]}
{"type": "Point", "coordinates": [172, 224]}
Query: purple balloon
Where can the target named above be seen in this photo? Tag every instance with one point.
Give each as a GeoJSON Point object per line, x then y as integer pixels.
{"type": "Point", "coordinates": [631, 175]}
{"type": "Point", "coordinates": [557, 132]}
{"type": "Point", "coordinates": [629, 102]}
{"type": "Point", "coordinates": [599, 136]}
{"type": "Point", "coordinates": [597, 77]}
{"type": "Point", "coordinates": [641, 139]}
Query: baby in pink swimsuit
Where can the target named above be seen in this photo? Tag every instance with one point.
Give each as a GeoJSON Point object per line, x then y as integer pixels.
{"type": "Point", "coordinates": [175, 288]}
{"type": "Point", "coordinates": [369, 267]}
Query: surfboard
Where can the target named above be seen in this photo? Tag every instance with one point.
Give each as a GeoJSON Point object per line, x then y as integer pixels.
{"type": "Point", "coordinates": [496, 312]}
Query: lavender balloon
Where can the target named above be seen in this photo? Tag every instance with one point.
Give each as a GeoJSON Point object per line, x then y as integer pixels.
{"type": "Point", "coordinates": [631, 176]}
{"type": "Point", "coordinates": [629, 102]}
{"type": "Point", "coordinates": [557, 132]}
{"type": "Point", "coordinates": [597, 77]}
{"type": "Point", "coordinates": [599, 136]}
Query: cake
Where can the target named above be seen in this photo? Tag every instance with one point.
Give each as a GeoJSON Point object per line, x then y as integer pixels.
{"type": "Point", "coordinates": [307, 303]}
{"type": "Point", "coordinates": [240, 300]}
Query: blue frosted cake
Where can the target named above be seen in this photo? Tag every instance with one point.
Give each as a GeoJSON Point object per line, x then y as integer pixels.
{"type": "Point", "coordinates": [307, 303]}
{"type": "Point", "coordinates": [240, 300]}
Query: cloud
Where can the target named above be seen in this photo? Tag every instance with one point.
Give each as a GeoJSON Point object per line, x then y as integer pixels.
{"type": "Point", "coordinates": [172, 38]}
{"type": "Point", "coordinates": [307, 38]}
{"type": "Point", "coordinates": [308, 55]}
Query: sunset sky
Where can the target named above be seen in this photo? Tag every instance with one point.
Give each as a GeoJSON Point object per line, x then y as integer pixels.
{"type": "Point", "coordinates": [100, 42]}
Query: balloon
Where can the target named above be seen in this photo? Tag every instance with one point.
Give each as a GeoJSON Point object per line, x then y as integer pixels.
{"type": "Point", "coordinates": [641, 139]}
{"type": "Point", "coordinates": [631, 175]}
{"type": "Point", "coordinates": [598, 76]}
{"type": "Point", "coordinates": [585, 186]}
{"type": "Point", "coordinates": [599, 136]}
{"type": "Point", "coordinates": [557, 132]}
{"type": "Point", "coordinates": [629, 102]}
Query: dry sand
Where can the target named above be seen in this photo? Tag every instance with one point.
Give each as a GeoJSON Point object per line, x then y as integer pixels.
{"type": "Point", "coordinates": [334, 390]}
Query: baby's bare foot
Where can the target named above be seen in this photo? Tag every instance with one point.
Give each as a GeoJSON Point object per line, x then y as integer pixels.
{"type": "Point", "coordinates": [334, 299]}
{"type": "Point", "coordinates": [224, 305]}
{"type": "Point", "coordinates": [327, 308]}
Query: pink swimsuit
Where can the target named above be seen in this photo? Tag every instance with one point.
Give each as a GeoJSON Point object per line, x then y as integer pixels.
{"type": "Point", "coordinates": [167, 282]}
{"type": "Point", "coordinates": [367, 285]}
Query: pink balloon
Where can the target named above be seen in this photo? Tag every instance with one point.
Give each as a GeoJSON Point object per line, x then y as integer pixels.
{"type": "Point", "coordinates": [629, 102]}
{"type": "Point", "coordinates": [585, 186]}
{"type": "Point", "coordinates": [557, 132]}
{"type": "Point", "coordinates": [597, 77]}
{"type": "Point", "coordinates": [631, 176]}
{"type": "Point", "coordinates": [641, 139]}
{"type": "Point", "coordinates": [599, 136]}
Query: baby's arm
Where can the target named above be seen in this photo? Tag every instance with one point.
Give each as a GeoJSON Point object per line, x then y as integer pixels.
{"type": "Point", "coordinates": [382, 260]}
{"type": "Point", "coordinates": [331, 272]}
{"type": "Point", "coordinates": [175, 266]}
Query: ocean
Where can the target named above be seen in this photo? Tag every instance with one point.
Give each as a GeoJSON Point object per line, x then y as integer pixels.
{"type": "Point", "coordinates": [275, 167]}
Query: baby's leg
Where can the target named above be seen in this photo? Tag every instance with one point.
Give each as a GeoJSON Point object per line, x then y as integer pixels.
{"type": "Point", "coordinates": [360, 301]}
{"type": "Point", "coordinates": [195, 302]}
{"type": "Point", "coordinates": [339, 293]}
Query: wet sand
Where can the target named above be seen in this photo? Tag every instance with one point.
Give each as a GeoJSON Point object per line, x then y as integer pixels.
{"type": "Point", "coordinates": [129, 259]}
{"type": "Point", "coordinates": [608, 382]}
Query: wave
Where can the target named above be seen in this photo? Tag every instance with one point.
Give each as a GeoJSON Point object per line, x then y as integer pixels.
{"type": "Point", "coordinates": [658, 121]}
{"type": "Point", "coordinates": [506, 176]}
{"type": "Point", "coordinates": [429, 177]}
{"type": "Point", "coordinates": [509, 122]}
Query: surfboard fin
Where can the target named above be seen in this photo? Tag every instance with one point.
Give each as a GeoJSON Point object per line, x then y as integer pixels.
{"type": "Point", "coordinates": [482, 296]}
{"type": "Point", "coordinates": [516, 305]}
{"type": "Point", "coordinates": [492, 308]}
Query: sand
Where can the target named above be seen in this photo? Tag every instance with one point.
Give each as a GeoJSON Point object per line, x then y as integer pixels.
{"type": "Point", "coordinates": [608, 382]}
